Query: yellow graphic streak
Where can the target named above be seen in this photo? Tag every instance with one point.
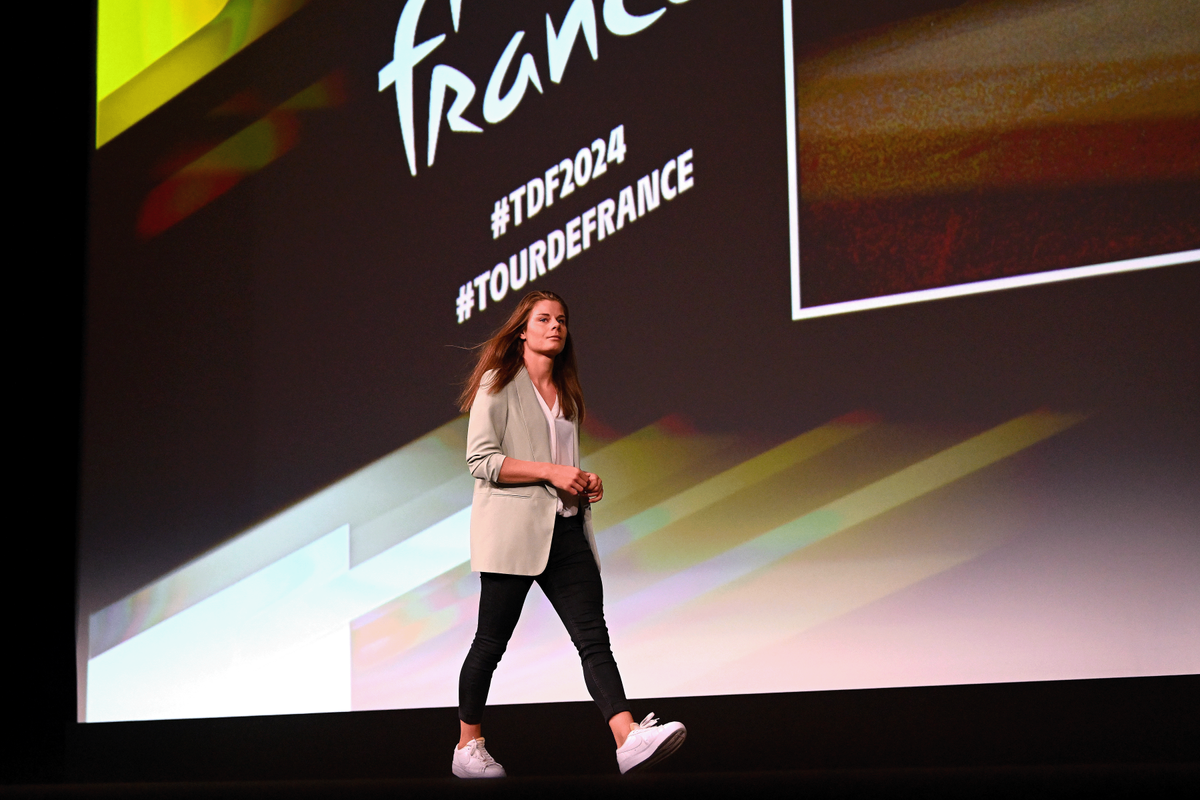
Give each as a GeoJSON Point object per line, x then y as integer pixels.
{"type": "Point", "coordinates": [728, 483]}
{"type": "Point", "coordinates": [770, 588]}
{"type": "Point", "coordinates": [236, 25]}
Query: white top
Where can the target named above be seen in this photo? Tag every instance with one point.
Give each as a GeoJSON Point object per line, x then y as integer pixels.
{"type": "Point", "coordinates": [562, 447]}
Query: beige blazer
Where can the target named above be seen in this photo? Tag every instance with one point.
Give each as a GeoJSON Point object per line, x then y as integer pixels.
{"type": "Point", "coordinates": [512, 524]}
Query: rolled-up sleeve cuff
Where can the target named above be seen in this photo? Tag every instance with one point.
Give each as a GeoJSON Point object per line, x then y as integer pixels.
{"type": "Point", "coordinates": [492, 466]}
{"type": "Point", "coordinates": [486, 467]}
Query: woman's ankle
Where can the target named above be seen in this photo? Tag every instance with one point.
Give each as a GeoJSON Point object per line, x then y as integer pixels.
{"type": "Point", "coordinates": [468, 733]}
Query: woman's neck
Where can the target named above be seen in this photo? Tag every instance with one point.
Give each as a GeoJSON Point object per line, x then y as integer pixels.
{"type": "Point", "coordinates": [541, 372]}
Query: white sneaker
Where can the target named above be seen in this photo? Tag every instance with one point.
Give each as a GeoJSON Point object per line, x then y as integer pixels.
{"type": "Point", "coordinates": [649, 743]}
{"type": "Point", "coordinates": [473, 761]}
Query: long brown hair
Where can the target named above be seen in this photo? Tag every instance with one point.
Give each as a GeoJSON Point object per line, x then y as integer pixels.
{"type": "Point", "coordinates": [505, 353]}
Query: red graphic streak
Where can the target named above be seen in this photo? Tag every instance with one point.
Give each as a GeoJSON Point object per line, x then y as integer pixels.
{"type": "Point", "coordinates": [220, 169]}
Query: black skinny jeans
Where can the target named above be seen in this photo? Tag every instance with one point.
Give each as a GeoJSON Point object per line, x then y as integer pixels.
{"type": "Point", "coordinates": [571, 582]}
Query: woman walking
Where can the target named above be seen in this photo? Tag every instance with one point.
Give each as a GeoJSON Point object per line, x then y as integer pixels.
{"type": "Point", "coordinates": [531, 521]}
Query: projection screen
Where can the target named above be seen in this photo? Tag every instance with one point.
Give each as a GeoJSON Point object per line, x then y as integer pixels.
{"type": "Point", "coordinates": [885, 312]}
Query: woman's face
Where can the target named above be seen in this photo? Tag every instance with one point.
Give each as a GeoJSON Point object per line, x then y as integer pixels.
{"type": "Point", "coordinates": [546, 328]}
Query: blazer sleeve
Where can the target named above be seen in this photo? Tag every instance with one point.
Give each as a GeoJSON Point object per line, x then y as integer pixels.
{"type": "Point", "coordinates": [485, 431]}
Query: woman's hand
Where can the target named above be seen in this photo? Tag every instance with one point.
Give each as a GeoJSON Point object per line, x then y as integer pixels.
{"type": "Point", "coordinates": [568, 479]}
{"type": "Point", "coordinates": [595, 487]}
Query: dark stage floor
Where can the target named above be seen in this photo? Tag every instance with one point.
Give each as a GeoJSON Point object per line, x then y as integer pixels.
{"type": "Point", "coordinates": [1140, 780]}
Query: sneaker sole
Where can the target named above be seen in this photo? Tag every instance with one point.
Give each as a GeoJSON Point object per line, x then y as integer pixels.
{"type": "Point", "coordinates": [668, 746]}
{"type": "Point", "coordinates": [464, 775]}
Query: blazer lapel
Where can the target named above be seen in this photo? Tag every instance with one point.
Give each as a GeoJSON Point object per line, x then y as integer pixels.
{"type": "Point", "coordinates": [531, 415]}
{"type": "Point", "coordinates": [575, 432]}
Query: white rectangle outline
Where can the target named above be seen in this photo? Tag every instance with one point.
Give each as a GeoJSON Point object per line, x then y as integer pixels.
{"type": "Point", "coordinates": [921, 295]}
